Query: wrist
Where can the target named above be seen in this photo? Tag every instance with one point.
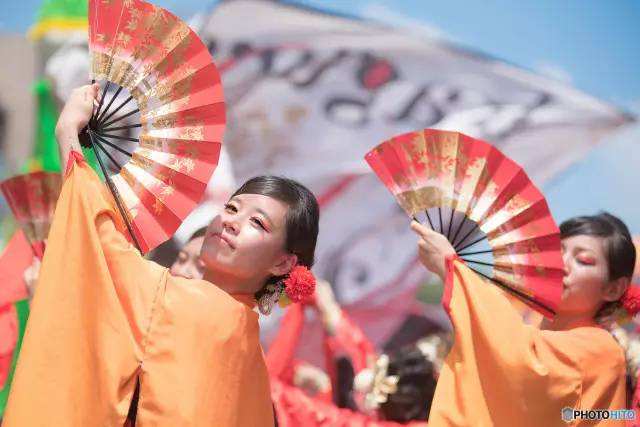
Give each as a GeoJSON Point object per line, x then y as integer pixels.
{"type": "Point", "coordinates": [65, 130]}
{"type": "Point", "coordinates": [68, 127]}
{"type": "Point", "coordinates": [68, 141]}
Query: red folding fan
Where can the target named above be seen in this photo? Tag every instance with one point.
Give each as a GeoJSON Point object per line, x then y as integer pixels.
{"type": "Point", "coordinates": [32, 199]}
{"type": "Point", "coordinates": [158, 129]}
{"type": "Point", "coordinates": [484, 203]}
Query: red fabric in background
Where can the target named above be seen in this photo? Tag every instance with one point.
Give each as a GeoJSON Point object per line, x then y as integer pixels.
{"type": "Point", "coordinates": [15, 259]}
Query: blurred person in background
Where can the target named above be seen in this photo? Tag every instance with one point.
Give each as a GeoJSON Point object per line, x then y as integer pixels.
{"type": "Point", "coordinates": [368, 390]}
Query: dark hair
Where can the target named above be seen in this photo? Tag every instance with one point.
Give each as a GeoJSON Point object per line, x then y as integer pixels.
{"type": "Point", "coordinates": [200, 232]}
{"type": "Point", "coordinates": [343, 390]}
{"type": "Point", "coordinates": [618, 245]}
{"type": "Point", "coordinates": [301, 221]}
{"type": "Point", "coordinates": [413, 328]}
{"type": "Point", "coordinates": [416, 386]}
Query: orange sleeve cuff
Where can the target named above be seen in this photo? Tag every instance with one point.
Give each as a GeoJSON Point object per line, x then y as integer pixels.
{"type": "Point", "coordinates": [448, 282]}
{"type": "Point", "coordinates": [74, 157]}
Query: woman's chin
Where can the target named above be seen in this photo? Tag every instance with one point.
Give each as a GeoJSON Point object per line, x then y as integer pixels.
{"type": "Point", "coordinates": [220, 264]}
{"type": "Point", "coordinates": [214, 263]}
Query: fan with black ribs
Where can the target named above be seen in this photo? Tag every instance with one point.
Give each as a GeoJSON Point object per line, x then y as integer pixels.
{"type": "Point", "coordinates": [157, 129]}
{"type": "Point", "coordinates": [484, 203]}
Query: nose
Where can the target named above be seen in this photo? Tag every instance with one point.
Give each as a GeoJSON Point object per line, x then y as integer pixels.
{"type": "Point", "coordinates": [566, 262]}
{"type": "Point", "coordinates": [230, 225]}
{"type": "Point", "coordinates": [190, 273]}
{"type": "Point", "coordinates": [180, 271]}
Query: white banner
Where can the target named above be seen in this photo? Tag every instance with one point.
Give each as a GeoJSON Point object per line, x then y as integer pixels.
{"type": "Point", "coordinates": [310, 93]}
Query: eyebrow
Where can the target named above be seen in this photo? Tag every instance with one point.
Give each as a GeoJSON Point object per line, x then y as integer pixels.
{"type": "Point", "coordinates": [583, 249]}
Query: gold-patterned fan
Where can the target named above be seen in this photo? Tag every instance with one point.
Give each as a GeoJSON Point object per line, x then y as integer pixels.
{"type": "Point", "coordinates": [32, 199]}
{"type": "Point", "coordinates": [158, 128]}
{"type": "Point", "coordinates": [484, 203]}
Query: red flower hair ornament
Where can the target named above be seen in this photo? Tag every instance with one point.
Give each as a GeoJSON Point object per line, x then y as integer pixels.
{"type": "Point", "coordinates": [297, 286]}
{"type": "Point", "coordinates": [630, 300]}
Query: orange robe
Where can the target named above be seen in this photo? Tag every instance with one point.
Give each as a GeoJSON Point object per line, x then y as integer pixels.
{"type": "Point", "coordinates": [103, 316]}
{"type": "Point", "coordinates": [503, 372]}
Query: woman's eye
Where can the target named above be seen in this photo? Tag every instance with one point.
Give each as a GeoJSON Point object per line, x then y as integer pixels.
{"type": "Point", "coordinates": [230, 208]}
{"type": "Point", "coordinates": [258, 223]}
{"type": "Point", "coordinates": [585, 260]}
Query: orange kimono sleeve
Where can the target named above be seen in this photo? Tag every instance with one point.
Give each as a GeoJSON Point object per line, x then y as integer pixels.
{"type": "Point", "coordinates": [104, 316]}
{"type": "Point", "coordinates": [503, 372]}
{"type": "Point", "coordinates": [84, 337]}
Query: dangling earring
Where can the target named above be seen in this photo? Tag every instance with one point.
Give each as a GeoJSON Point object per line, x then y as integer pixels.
{"type": "Point", "coordinates": [268, 300]}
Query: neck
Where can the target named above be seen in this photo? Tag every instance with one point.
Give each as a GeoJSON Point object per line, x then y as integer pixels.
{"type": "Point", "coordinates": [565, 322]}
{"type": "Point", "coordinates": [229, 283]}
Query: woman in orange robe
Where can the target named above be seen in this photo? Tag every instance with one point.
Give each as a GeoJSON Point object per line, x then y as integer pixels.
{"type": "Point", "coordinates": [503, 372]}
{"type": "Point", "coordinates": [104, 318]}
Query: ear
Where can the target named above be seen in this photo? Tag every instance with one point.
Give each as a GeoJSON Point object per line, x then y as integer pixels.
{"type": "Point", "coordinates": [284, 265]}
{"type": "Point", "coordinates": [614, 290]}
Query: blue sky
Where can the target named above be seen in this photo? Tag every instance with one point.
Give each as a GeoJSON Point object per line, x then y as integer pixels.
{"type": "Point", "coordinates": [593, 45]}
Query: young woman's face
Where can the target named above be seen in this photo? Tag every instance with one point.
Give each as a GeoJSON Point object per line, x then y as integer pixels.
{"type": "Point", "coordinates": [188, 263]}
{"type": "Point", "coordinates": [586, 274]}
{"type": "Point", "coordinates": [247, 240]}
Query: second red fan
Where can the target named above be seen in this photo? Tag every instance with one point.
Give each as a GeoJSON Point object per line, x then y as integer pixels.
{"type": "Point", "coordinates": [484, 203]}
